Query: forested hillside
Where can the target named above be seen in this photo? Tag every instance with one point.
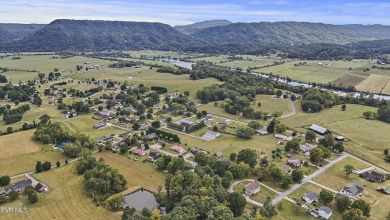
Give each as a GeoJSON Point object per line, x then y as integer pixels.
{"type": "Point", "coordinates": [192, 28]}
{"type": "Point", "coordinates": [13, 31]}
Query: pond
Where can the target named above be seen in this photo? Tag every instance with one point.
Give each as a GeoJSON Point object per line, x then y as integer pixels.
{"type": "Point", "coordinates": [61, 141]}
{"type": "Point", "coordinates": [141, 199]}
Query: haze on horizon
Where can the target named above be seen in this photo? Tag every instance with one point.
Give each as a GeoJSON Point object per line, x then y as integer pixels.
{"type": "Point", "coordinates": [175, 12]}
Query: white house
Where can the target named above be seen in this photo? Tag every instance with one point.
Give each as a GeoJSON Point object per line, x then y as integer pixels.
{"type": "Point", "coordinates": [324, 212]}
{"type": "Point", "coordinates": [310, 197]}
{"type": "Point", "coordinates": [211, 134]}
{"type": "Point", "coordinates": [252, 188]}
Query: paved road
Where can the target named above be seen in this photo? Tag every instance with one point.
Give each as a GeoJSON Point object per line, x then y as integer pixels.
{"type": "Point", "coordinates": [368, 163]}
{"type": "Point", "coordinates": [307, 179]}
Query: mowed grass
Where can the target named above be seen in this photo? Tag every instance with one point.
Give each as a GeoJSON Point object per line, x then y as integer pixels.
{"type": "Point", "coordinates": [365, 138]}
{"type": "Point", "coordinates": [335, 178]}
{"type": "Point", "coordinates": [268, 104]}
{"type": "Point", "coordinates": [19, 153]}
{"type": "Point", "coordinates": [148, 77]}
{"type": "Point", "coordinates": [44, 63]}
{"type": "Point", "coordinates": [374, 83]}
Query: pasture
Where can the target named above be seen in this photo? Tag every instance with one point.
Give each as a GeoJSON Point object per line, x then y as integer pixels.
{"type": "Point", "coordinates": [19, 153]}
{"type": "Point", "coordinates": [375, 84]}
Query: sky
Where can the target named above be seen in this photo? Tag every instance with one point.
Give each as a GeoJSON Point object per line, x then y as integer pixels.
{"type": "Point", "coordinates": [181, 12]}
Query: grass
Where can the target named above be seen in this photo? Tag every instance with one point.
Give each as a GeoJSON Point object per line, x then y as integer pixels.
{"type": "Point", "coordinates": [262, 195]}
{"type": "Point", "coordinates": [335, 178]}
{"type": "Point", "coordinates": [374, 83]}
{"type": "Point", "coordinates": [349, 80]}
{"type": "Point", "coordinates": [366, 138]}
{"type": "Point", "coordinates": [19, 153]}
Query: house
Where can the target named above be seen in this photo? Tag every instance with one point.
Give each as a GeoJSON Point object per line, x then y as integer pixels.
{"type": "Point", "coordinates": [261, 132]}
{"type": "Point", "coordinates": [373, 176]}
{"type": "Point", "coordinates": [323, 212]}
{"type": "Point", "coordinates": [186, 123]}
{"type": "Point", "coordinates": [283, 137]}
{"type": "Point", "coordinates": [383, 189]}
{"type": "Point", "coordinates": [306, 148]}
{"type": "Point", "coordinates": [208, 117]}
{"type": "Point", "coordinates": [100, 125]}
{"type": "Point", "coordinates": [178, 149]}
{"type": "Point", "coordinates": [211, 134]}
{"type": "Point", "coordinates": [339, 138]}
{"type": "Point", "coordinates": [40, 187]}
{"type": "Point", "coordinates": [144, 127]}
{"type": "Point", "coordinates": [310, 197]}
{"type": "Point", "coordinates": [294, 162]}
{"type": "Point", "coordinates": [152, 136]}
{"type": "Point", "coordinates": [224, 122]}
{"type": "Point", "coordinates": [140, 152]}
{"type": "Point", "coordinates": [352, 190]}
{"type": "Point", "coordinates": [252, 188]}
{"type": "Point", "coordinates": [218, 154]}
{"type": "Point", "coordinates": [18, 187]}
{"type": "Point", "coordinates": [286, 168]}
{"type": "Point", "coordinates": [154, 156]}
{"type": "Point", "coordinates": [194, 151]}
{"type": "Point", "coordinates": [319, 129]}
{"type": "Point", "coordinates": [125, 134]}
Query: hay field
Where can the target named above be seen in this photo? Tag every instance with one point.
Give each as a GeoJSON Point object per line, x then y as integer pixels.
{"type": "Point", "coordinates": [374, 83]}
{"type": "Point", "coordinates": [17, 144]}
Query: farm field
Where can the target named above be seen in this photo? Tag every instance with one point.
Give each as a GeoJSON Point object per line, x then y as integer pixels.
{"type": "Point", "coordinates": [366, 138]}
{"type": "Point", "coordinates": [155, 53]}
{"type": "Point", "coordinates": [214, 59]}
{"type": "Point", "coordinates": [349, 80]}
{"type": "Point", "coordinates": [335, 178]}
{"type": "Point", "coordinates": [374, 83]}
{"type": "Point", "coordinates": [268, 104]}
{"type": "Point", "coordinates": [19, 153]}
{"type": "Point", "coordinates": [244, 64]}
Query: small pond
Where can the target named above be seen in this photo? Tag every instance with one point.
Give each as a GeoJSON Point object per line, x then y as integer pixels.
{"type": "Point", "coordinates": [141, 199]}
{"type": "Point", "coordinates": [61, 141]}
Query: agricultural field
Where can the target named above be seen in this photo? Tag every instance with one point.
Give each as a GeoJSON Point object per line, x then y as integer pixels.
{"type": "Point", "coordinates": [19, 153]}
{"type": "Point", "coordinates": [155, 53]}
{"type": "Point", "coordinates": [335, 178]}
{"type": "Point", "coordinates": [214, 59]}
{"type": "Point", "coordinates": [349, 80]}
{"type": "Point", "coordinates": [375, 84]}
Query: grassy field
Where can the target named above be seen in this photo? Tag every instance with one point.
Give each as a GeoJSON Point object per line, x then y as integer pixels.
{"type": "Point", "coordinates": [155, 53]}
{"type": "Point", "coordinates": [350, 80]}
{"type": "Point", "coordinates": [19, 153]}
{"type": "Point", "coordinates": [335, 178]}
{"type": "Point", "coordinates": [268, 104]}
{"type": "Point", "coordinates": [367, 138]}
{"type": "Point", "coordinates": [214, 59]}
{"type": "Point", "coordinates": [374, 83]}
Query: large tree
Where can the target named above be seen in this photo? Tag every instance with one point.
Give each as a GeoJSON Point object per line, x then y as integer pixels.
{"type": "Point", "coordinates": [220, 212]}
{"type": "Point", "coordinates": [362, 205]}
{"type": "Point", "coordinates": [236, 203]}
{"type": "Point", "coordinates": [348, 169]}
{"type": "Point", "coordinates": [248, 156]}
{"type": "Point", "coordinates": [326, 196]}
{"type": "Point", "coordinates": [310, 136]}
{"type": "Point", "coordinates": [4, 180]}
{"type": "Point", "coordinates": [354, 214]}
{"type": "Point", "coordinates": [316, 154]}
{"type": "Point", "coordinates": [343, 203]}
{"type": "Point", "coordinates": [297, 176]}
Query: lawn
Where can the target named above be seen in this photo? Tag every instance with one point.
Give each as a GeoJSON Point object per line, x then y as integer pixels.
{"type": "Point", "coordinates": [19, 153]}
{"type": "Point", "coordinates": [262, 195]}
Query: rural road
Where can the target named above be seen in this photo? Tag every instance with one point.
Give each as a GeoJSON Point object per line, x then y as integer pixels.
{"type": "Point", "coordinates": [193, 164]}
{"type": "Point", "coordinates": [307, 179]}
{"type": "Point", "coordinates": [293, 111]}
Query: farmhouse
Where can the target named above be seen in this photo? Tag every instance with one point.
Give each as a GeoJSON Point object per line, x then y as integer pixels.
{"type": "Point", "coordinates": [252, 188]}
{"type": "Point", "coordinates": [100, 125]}
{"type": "Point", "coordinates": [373, 176]}
{"type": "Point", "coordinates": [294, 162]}
{"type": "Point", "coordinates": [140, 152]}
{"type": "Point", "coordinates": [18, 187]}
{"type": "Point", "coordinates": [319, 129]}
{"type": "Point", "coordinates": [352, 190]}
{"type": "Point", "coordinates": [186, 123]}
{"type": "Point", "coordinates": [310, 197]}
{"type": "Point", "coordinates": [178, 149]}
{"type": "Point", "coordinates": [323, 212]}
{"type": "Point", "coordinates": [40, 187]}
{"type": "Point", "coordinates": [286, 168]}
{"type": "Point", "coordinates": [211, 134]}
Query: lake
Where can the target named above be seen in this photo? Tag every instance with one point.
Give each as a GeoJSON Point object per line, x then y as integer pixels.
{"type": "Point", "coordinates": [141, 199]}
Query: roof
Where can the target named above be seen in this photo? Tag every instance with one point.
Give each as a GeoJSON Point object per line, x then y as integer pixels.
{"type": "Point", "coordinates": [354, 188]}
{"type": "Point", "coordinates": [325, 209]}
{"type": "Point", "coordinates": [383, 189]}
{"type": "Point", "coordinates": [177, 148]}
{"type": "Point", "coordinates": [18, 185]}
{"type": "Point", "coordinates": [185, 121]}
{"type": "Point", "coordinates": [252, 186]}
{"type": "Point", "coordinates": [39, 186]}
{"type": "Point", "coordinates": [311, 196]}
{"type": "Point", "coordinates": [318, 129]}
{"type": "Point", "coordinates": [218, 154]}
{"type": "Point", "coordinates": [285, 168]}
{"type": "Point", "coordinates": [212, 133]}
{"type": "Point", "coordinates": [152, 136]}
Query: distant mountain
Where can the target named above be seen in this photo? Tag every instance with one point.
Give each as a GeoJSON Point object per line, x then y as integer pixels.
{"type": "Point", "coordinates": [291, 33]}
{"type": "Point", "coordinates": [192, 28]}
{"type": "Point", "coordinates": [88, 35]}
{"type": "Point", "coordinates": [13, 31]}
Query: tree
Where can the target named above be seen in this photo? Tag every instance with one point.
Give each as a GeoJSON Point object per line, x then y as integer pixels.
{"type": "Point", "coordinates": [39, 167]}
{"type": "Point", "coordinates": [279, 93]}
{"type": "Point", "coordinates": [33, 197]}
{"type": "Point", "coordinates": [268, 210]}
{"type": "Point", "coordinates": [254, 125]}
{"type": "Point", "coordinates": [245, 132]}
{"type": "Point", "coordinates": [226, 179]}
{"type": "Point", "coordinates": [66, 161]}
{"type": "Point", "coordinates": [327, 141]}
{"type": "Point", "coordinates": [10, 130]}
{"type": "Point", "coordinates": [316, 154]}
{"type": "Point", "coordinates": [220, 212]}
{"type": "Point", "coordinates": [13, 195]}
{"type": "Point", "coordinates": [136, 126]}
{"type": "Point", "coordinates": [293, 97]}
{"type": "Point", "coordinates": [199, 115]}
{"type": "Point", "coordinates": [343, 203]}
{"type": "Point", "coordinates": [3, 199]}
{"type": "Point", "coordinates": [233, 157]}
{"type": "Point", "coordinates": [310, 136]}
{"type": "Point", "coordinates": [41, 76]}
{"type": "Point", "coordinates": [156, 124]}
{"type": "Point", "coordinates": [271, 126]}
{"type": "Point", "coordinates": [248, 156]}
{"type": "Point", "coordinates": [155, 215]}
{"type": "Point", "coordinates": [386, 151]}
{"type": "Point", "coordinates": [201, 158]}
{"type": "Point", "coordinates": [326, 196]}
{"type": "Point", "coordinates": [29, 189]}
{"type": "Point", "coordinates": [362, 205]}
{"type": "Point", "coordinates": [46, 165]}
{"type": "Point", "coordinates": [72, 150]}
{"type": "Point", "coordinates": [367, 114]}
{"type": "Point", "coordinates": [286, 181]}
{"type": "Point", "coordinates": [204, 112]}
{"type": "Point", "coordinates": [297, 176]}
{"type": "Point", "coordinates": [58, 164]}
{"type": "Point", "coordinates": [44, 119]}
{"type": "Point", "coordinates": [4, 180]}
{"type": "Point", "coordinates": [292, 145]}
{"type": "Point", "coordinates": [280, 128]}
{"type": "Point", "coordinates": [160, 163]}
{"type": "Point", "coordinates": [348, 169]}
{"type": "Point", "coordinates": [114, 202]}
{"type": "Point", "coordinates": [343, 107]}
{"type": "Point", "coordinates": [236, 203]}
{"type": "Point", "coordinates": [275, 172]}
{"type": "Point", "coordinates": [354, 214]}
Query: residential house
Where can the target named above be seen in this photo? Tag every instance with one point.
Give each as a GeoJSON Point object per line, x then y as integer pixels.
{"type": "Point", "coordinates": [286, 168]}
{"type": "Point", "coordinates": [144, 127]}
{"type": "Point", "coordinates": [352, 190]}
{"type": "Point", "coordinates": [306, 148]}
{"type": "Point", "coordinates": [323, 212]}
{"type": "Point", "coordinates": [178, 149]}
{"type": "Point", "coordinates": [194, 151]}
{"type": "Point", "coordinates": [211, 134]}
{"type": "Point", "coordinates": [125, 134]}
{"type": "Point", "coordinates": [373, 176]}
{"type": "Point", "coordinates": [40, 187]}
{"type": "Point", "coordinates": [262, 132]}
{"type": "Point", "coordinates": [383, 189]}
{"type": "Point", "coordinates": [224, 122]}
{"type": "Point", "coordinates": [319, 129]}
{"type": "Point", "coordinates": [140, 152]}
{"type": "Point", "coordinates": [295, 162]}
{"type": "Point", "coordinates": [100, 125]}
{"type": "Point", "coordinates": [18, 187]}
{"type": "Point", "coordinates": [152, 136]}
{"type": "Point", "coordinates": [283, 137]}
{"type": "Point", "coordinates": [339, 138]}
{"type": "Point", "coordinates": [310, 197]}
{"type": "Point", "coordinates": [252, 188]}
{"type": "Point", "coordinates": [154, 156]}
{"type": "Point", "coordinates": [208, 117]}
{"type": "Point", "coordinates": [186, 123]}
{"type": "Point", "coordinates": [218, 155]}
